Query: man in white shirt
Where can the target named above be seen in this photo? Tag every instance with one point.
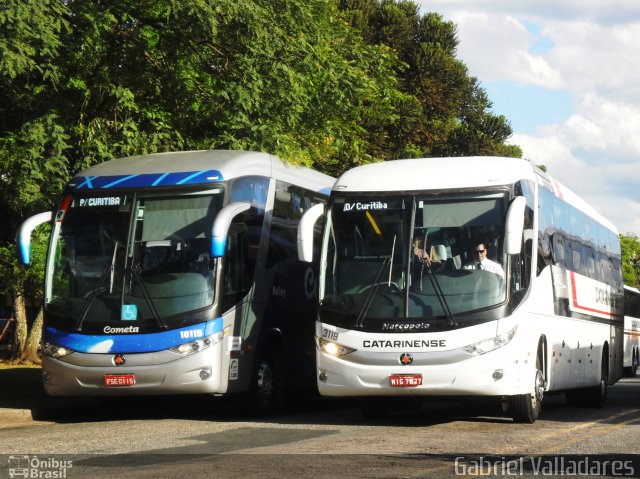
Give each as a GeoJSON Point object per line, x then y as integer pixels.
{"type": "Point", "coordinates": [482, 262]}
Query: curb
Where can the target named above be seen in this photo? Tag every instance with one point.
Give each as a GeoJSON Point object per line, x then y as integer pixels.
{"type": "Point", "coordinates": [13, 417]}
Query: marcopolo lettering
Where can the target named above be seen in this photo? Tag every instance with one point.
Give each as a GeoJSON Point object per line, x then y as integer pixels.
{"type": "Point", "coordinates": [404, 344]}
{"type": "Point", "coordinates": [105, 201]}
{"type": "Point", "coordinates": [358, 206]}
{"type": "Point", "coordinates": [404, 326]}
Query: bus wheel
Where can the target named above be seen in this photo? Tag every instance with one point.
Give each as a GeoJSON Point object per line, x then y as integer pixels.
{"type": "Point", "coordinates": [596, 396]}
{"type": "Point", "coordinates": [267, 396]}
{"type": "Point", "coordinates": [526, 407]}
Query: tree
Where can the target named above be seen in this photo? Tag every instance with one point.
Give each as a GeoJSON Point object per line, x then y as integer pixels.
{"type": "Point", "coordinates": [32, 166]}
{"type": "Point", "coordinates": [23, 285]}
{"type": "Point", "coordinates": [630, 245]}
{"type": "Point", "coordinates": [32, 142]}
{"type": "Point", "coordinates": [453, 115]}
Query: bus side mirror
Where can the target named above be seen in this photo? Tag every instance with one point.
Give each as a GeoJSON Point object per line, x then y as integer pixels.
{"type": "Point", "coordinates": [305, 232]}
{"type": "Point", "coordinates": [515, 225]}
{"type": "Point", "coordinates": [24, 235]}
{"type": "Point", "coordinates": [221, 227]}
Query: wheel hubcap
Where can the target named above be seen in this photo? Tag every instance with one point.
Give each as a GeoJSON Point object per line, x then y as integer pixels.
{"type": "Point", "coordinates": [539, 387]}
{"type": "Point", "coordinates": [265, 380]}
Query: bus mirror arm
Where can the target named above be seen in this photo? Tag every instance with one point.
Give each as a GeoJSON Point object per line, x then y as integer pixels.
{"type": "Point", "coordinates": [305, 232]}
{"type": "Point", "coordinates": [221, 227]}
{"type": "Point", "coordinates": [24, 235]}
{"type": "Point", "coordinates": [515, 225]}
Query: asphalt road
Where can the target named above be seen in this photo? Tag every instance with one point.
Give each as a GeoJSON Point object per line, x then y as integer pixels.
{"type": "Point", "coordinates": [205, 437]}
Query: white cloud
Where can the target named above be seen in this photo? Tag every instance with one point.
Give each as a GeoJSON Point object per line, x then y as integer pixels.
{"type": "Point", "coordinates": [609, 125]}
{"type": "Point", "coordinates": [496, 47]}
{"type": "Point", "coordinates": [592, 56]}
{"type": "Point", "coordinates": [590, 51]}
{"type": "Point", "coordinates": [605, 12]}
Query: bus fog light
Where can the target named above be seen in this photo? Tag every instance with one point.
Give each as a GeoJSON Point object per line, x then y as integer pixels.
{"type": "Point", "coordinates": [497, 375]}
{"type": "Point", "coordinates": [205, 373]}
{"type": "Point", "coordinates": [322, 376]}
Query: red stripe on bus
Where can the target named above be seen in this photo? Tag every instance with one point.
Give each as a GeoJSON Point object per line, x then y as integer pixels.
{"type": "Point", "coordinates": [575, 299]}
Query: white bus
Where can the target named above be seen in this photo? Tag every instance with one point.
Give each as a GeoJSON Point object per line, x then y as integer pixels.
{"type": "Point", "coordinates": [178, 273]}
{"type": "Point", "coordinates": [631, 330]}
{"type": "Point", "coordinates": [400, 313]}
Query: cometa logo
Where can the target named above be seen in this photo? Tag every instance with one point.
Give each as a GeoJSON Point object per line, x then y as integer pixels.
{"type": "Point", "coordinates": [127, 330]}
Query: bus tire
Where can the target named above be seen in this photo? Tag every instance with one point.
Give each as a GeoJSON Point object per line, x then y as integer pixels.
{"type": "Point", "coordinates": [525, 408]}
{"type": "Point", "coordinates": [596, 396]}
{"type": "Point", "coordinates": [267, 393]}
{"type": "Point", "coordinates": [634, 364]}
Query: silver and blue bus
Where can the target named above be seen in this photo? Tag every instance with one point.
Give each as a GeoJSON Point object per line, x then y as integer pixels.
{"type": "Point", "coordinates": [177, 273]}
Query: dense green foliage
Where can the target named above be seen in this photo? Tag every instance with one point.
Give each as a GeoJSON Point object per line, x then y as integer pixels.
{"type": "Point", "coordinates": [630, 245]}
{"type": "Point", "coordinates": [323, 83]}
{"type": "Point", "coordinates": [452, 115]}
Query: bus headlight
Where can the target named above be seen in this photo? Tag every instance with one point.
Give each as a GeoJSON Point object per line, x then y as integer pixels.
{"type": "Point", "coordinates": [332, 348]}
{"type": "Point", "coordinates": [491, 344]}
{"type": "Point", "coordinates": [55, 351]}
{"type": "Point", "coordinates": [191, 347]}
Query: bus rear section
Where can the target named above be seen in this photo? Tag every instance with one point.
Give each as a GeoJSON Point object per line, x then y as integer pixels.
{"type": "Point", "coordinates": [631, 330]}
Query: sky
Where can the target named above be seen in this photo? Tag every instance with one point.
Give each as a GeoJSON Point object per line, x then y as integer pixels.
{"type": "Point", "coordinates": [566, 74]}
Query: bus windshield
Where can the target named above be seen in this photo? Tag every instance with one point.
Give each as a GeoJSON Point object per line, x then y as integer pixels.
{"type": "Point", "coordinates": [130, 258]}
{"type": "Point", "coordinates": [412, 258]}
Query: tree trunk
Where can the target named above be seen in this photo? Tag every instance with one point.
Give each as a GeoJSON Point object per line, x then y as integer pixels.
{"type": "Point", "coordinates": [20, 342]}
{"type": "Point", "coordinates": [30, 353]}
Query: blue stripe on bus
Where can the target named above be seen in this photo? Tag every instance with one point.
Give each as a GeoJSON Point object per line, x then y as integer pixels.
{"type": "Point", "coordinates": [162, 177]}
{"type": "Point", "coordinates": [218, 247]}
{"type": "Point", "coordinates": [121, 180]}
{"type": "Point", "coordinates": [25, 253]}
{"type": "Point", "coordinates": [131, 343]}
{"type": "Point", "coordinates": [147, 179]}
{"type": "Point", "coordinates": [191, 177]}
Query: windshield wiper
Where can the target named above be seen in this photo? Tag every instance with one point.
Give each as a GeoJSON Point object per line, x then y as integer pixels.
{"type": "Point", "coordinates": [110, 268]}
{"type": "Point", "coordinates": [439, 294]}
{"type": "Point", "coordinates": [373, 287]}
{"type": "Point", "coordinates": [136, 270]}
